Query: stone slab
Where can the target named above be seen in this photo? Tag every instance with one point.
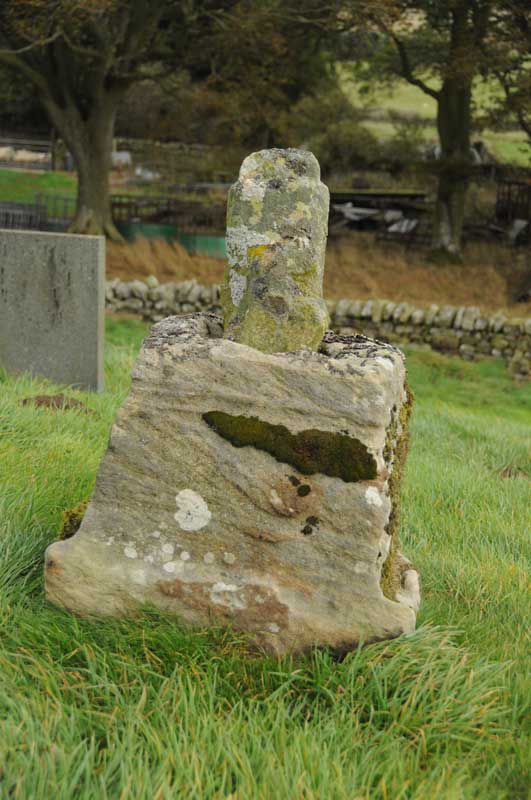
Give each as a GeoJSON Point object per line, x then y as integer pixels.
{"type": "Point", "coordinates": [52, 305]}
{"type": "Point", "coordinates": [252, 490]}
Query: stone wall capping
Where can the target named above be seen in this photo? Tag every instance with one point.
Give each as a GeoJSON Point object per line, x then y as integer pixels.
{"type": "Point", "coordinates": [431, 314]}
{"type": "Point", "coordinates": [469, 318]}
{"type": "Point", "coordinates": [388, 310]}
{"type": "Point", "coordinates": [445, 316]}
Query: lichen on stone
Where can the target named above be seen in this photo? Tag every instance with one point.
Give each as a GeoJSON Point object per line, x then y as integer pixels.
{"type": "Point", "coordinates": [277, 218]}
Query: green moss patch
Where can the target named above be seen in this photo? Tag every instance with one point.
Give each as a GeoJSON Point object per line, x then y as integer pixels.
{"type": "Point", "coordinates": [335, 454]}
{"type": "Point", "coordinates": [72, 519]}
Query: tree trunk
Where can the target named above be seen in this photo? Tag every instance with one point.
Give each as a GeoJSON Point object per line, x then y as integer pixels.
{"type": "Point", "coordinates": [453, 125]}
{"type": "Point", "coordinates": [449, 213]}
{"type": "Point", "coordinates": [90, 143]}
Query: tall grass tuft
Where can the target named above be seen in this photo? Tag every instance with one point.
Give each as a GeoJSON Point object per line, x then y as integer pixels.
{"type": "Point", "coordinates": [146, 709]}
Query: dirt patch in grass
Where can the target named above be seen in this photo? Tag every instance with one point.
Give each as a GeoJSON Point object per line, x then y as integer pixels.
{"type": "Point", "coordinates": [359, 267]}
{"type": "Point", "coordinates": [56, 402]}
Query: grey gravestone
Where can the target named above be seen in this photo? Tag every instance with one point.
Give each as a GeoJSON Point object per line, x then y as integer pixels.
{"type": "Point", "coordinates": [52, 304]}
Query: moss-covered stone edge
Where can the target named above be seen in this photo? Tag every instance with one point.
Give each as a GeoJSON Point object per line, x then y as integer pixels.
{"type": "Point", "coordinates": [71, 520]}
{"type": "Point", "coordinates": [391, 578]}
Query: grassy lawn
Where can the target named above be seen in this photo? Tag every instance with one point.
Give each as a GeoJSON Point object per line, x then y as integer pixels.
{"type": "Point", "coordinates": [20, 186]}
{"type": "Point", "coordinates": [145, 710]}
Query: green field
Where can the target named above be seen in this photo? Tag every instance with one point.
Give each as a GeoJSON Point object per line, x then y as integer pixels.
{"type": "Point", "coordinates": [146, 710]}
{"type": "Point", "coordinates": [511, 146]}
{"type": "Point", "coordinates": [21, 186]}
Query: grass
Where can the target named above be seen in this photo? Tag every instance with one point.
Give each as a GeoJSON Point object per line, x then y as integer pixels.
{"type": "Point", "coordinates": [145, 709]}
{"type": "Point", "coordinates": [20, 186]}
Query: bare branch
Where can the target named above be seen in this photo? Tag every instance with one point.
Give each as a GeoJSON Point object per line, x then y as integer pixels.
{"type": "Point", "coordinates": [11, 60]}
{"type": "Point", "coordinates": [407, 70]}
{"type": "Point", "coordinates": [36, 44]}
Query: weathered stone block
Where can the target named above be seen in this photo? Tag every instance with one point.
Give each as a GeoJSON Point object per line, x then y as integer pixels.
{"type": "Point", "coordinates": [52, 305]}
{"type": "Point", "coordinates": [388, 310]}
{"type": "Point", "coordinates": [366, 311]}
{"type": "Point", "coordinates": [431, 313]}
{"type": "Point", "coordinates": [445, 339]}
{"type": "Point", "coordinates": [253, 490]}
{"type": "Point", "coordinates": [417, 317]}
{"type": "Point", "coordinates": [469, 318]}
{"type": "Point", "coordinates": [445, 316]}
{"type": "Point", "coordinates": [377, 310]}
{"type": "Point", "coordinates": [497, 321]}
{"type": "Point", "coordinates": [277, 223]}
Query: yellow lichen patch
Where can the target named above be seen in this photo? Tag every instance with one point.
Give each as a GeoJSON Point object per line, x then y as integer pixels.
{"type": "Point", "coordinates": [257, 250]}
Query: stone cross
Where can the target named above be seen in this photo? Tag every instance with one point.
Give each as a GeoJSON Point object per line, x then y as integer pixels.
{"type": "Point", "coordinates": [256, 490]}
{"type": "Point", "coordinates": [277, 221]}
{"type": "Point", "coordinates": [52, 305]}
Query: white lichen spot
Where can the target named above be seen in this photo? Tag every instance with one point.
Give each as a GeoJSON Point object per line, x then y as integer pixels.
{"type": "Point", "coordinates": [130, 552]}
{"type": "Point", "coordinates": [276, 500]}
{"type": "Point", "coordinates": [150, 559]}
{"type": "Point", "coordinates": [252, 189]}
{"type": "Point", "coordinates": [302, 242]}
{"type": "Point", "coordinates": [372, 497]}
{"type": "Point", "coordinates": [229, 558]}
{"type": "Point", "coordinates": [385, 362]}
{"type": "Point", "coordinates": [224, 587]}
{"type": "Point", "coordinates": [224, 594]}
{"type": "Point", "coordinates": [237, 286]}
{"type": "Point", "coordinates": [138, 576]}
{"type": "Point", "coordinates": [273, 627]}
{"type": "Point", "coordinates": [172, 566]}
{"type": "Point", "coordinates": [192, 511]}
{"type": "Point", "coordinates": [385, 546]}
{"type": "Point", "coordinates": [110, 540]}
{"type": "Point", "coordinates": [259, 599]}
{"type": "Point", "coordinates": [209, 558]}
{"type": "Point", "coordinates": [168, 549]}
{"type": "Point", "coordinates": [185, 555]}
{"type": "Point", "coordinates": [156, 534]}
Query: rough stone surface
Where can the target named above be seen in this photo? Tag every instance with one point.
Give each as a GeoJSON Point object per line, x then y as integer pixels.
{"type": "Point", "coordinates": [52, 304]}
{"type": "Point", "coordinates": [250, 489]}
{"type": "Point", "coordinates": [277, 217]}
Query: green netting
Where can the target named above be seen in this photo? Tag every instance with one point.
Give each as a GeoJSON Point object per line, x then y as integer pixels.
{"type": "Point", "coordinates": [204, 244]}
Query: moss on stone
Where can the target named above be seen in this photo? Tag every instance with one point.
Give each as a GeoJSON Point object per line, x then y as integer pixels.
{"type": "Point", "coordinates": [391, 576]}
{"type": "Point", "coordinates": [312, 451]}
{"type": "Point", "coordinates": [72, 519]}
{"type": "Point", "coordinates": [276, 332]}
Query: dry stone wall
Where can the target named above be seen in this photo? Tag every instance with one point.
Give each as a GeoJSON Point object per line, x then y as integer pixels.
{"type": "Point", "coordinates": [462, 331]}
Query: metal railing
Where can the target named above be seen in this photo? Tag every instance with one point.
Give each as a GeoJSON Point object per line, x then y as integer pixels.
{"type": "Point", "coordinates": [22, 216]}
